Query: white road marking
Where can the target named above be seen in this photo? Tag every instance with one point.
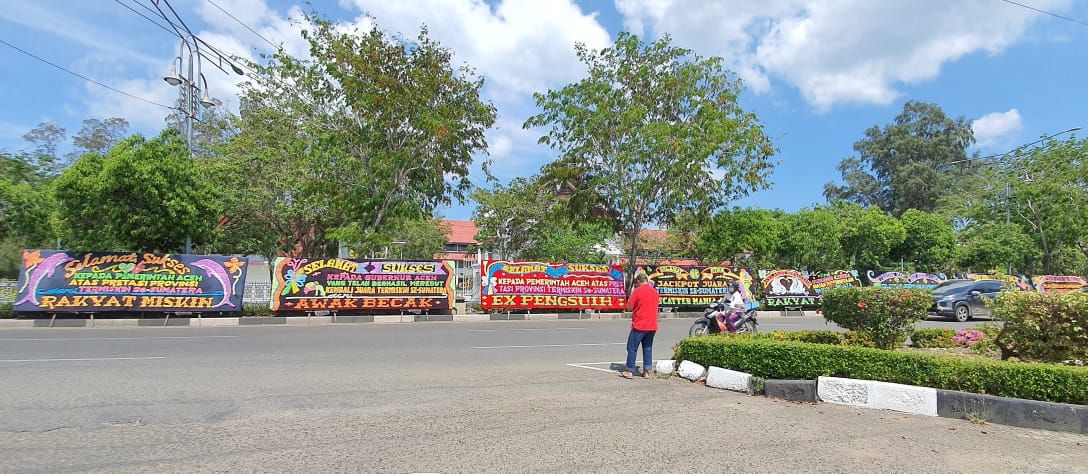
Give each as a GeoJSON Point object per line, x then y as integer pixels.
{"type": "Point", "coordinates": [81, 360]}
{"type": "Point", "coordinates": [110, 338]}
{"type": "Point", "coordinates": [553, 345]}
{"type": "Point", "coordinates": [527, 329]}
{"type": "Point", "coordinates": [585, 366]}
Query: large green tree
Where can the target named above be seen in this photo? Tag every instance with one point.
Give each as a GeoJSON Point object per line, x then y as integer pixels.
{"type": "Point", "coordinates": [813, 240]}
{"type": "Point", "coordinates": [372, 130]}
{"type": "Point", "coordinates": [868, 235]}
{"type": "Point", "coordinates": [1048, 196]}
{"type": "Point", "coordinates": [144, 195]}
{"type": "Point", "coordinates": [98, 136]}
{"type": "Point", "coordinates": [907, 164]}
{"type": "Point", "coordinates": [660, 131]}
{"type": "Point", "coordinates": [990, 246]}
{"type": "Point", "coordinates": [527, 219]}
{"type": "Point", "coordinates": [930, 243]}
{"type": "Point", "coordinates": [732, 232]}
{"type": "Point", "coordinates": [26, 204]}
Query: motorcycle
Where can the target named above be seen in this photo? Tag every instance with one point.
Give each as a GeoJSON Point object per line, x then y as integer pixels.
{"type": "Point", "coordinates": [708, 322]}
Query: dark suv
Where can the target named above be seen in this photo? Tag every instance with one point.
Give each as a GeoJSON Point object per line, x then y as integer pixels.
{"type": "Point", "coordinates": [962, 300]}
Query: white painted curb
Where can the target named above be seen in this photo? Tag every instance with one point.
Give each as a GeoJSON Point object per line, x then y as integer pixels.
{"type": "Point", "coordinates": [691, 371]}
{"type": "Point", "coordinates": [903, 398]}
{"type": "Point", "coordinates": [471, 317]}
{"type": "Point", "coordinates": [665, 367]}
{"type": "Point", "coordinates": [726, 379]}
{"type": "Point", "coordinates": [878, 395]}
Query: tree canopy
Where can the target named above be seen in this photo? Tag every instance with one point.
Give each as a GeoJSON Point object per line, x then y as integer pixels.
{"type": "Point", "coordinates": [907, 164]}
{"type": "Point", "coordinates": [144, 195]}
{"type": "Point", "coordinates": [658, 129]}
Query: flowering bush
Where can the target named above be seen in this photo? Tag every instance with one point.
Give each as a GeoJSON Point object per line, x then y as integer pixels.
{"type": "Point", "coordinates": [884, 315]}
{"type": "Point", "coordinates": [1050, 327]}
{"type": "Point", "coordinates": [968, 337]}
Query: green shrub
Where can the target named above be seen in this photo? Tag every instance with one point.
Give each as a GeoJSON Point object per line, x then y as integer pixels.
{"type": "Point", "coordinates": [797, 360]}
{"type": "Point", "coordinates": [1043, 326]}
{"type": "Point", "coordinates": [862, 339]}
{"type": "Point", "coordinates": [815, 337]}
{"type": "Point", "coordinates": [927, 338]}
{"type": "Point", "coordinates": [256, 310]}
{"type": "Point", "coordinates": [884, 314]}
{"type": "Point", "coordinates": [6, 310]}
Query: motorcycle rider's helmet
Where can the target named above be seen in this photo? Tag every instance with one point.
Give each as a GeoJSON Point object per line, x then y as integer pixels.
{"type": "Point", "coordinates": [734, 287]}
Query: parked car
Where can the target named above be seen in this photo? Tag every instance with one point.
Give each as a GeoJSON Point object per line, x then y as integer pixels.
{"type": "Point", "coordinates": [962, 300]}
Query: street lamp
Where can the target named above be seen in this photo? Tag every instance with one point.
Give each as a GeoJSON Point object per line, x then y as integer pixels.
{"type": "Point", "coordinates": [193, 84]}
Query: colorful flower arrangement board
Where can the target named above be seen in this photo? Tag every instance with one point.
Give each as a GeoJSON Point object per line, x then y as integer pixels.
{"type": "Point", "coordinates": [1058, 283]}
{"type": "Point", "coordinates": [787, 288]}
{"type": "Point", "coordinates": [926, 281]}
{"type": "Point", "coordinates": [59, 281]}
{"type": "Point", "coordinates": [691, 286]}
{"type": "Point", "coordinates": [356, 286]}
{"type": "Point", "coordinates": [524, 285]}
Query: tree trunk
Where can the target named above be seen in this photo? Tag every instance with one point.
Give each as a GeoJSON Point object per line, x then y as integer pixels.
{"type": "Point", "coordinates": [632, 258]}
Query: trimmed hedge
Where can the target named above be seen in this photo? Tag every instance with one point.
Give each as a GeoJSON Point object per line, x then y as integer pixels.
{"type": "Point", "coordinates": [798, 360]}
{"type": "Point", "coordinates": [812, 336]}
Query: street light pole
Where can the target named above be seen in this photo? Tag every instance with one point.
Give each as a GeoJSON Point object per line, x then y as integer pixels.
{"type": "Point", "coordinates": [192, 84]}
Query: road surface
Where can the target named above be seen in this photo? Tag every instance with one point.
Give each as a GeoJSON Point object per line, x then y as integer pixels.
{"type": "Point", "coordinates": [442, 397]}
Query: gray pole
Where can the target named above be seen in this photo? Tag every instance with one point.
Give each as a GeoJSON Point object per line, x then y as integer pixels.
{"type": "Point", "coordinates": [1008, 201]}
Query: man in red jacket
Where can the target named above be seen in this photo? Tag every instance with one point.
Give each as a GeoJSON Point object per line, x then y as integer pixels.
{"type": "Point", "coordinates": [643, 306]}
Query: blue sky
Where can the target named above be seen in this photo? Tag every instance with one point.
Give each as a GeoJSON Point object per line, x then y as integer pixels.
{"type": "Point", "coordinates": [818, 72]}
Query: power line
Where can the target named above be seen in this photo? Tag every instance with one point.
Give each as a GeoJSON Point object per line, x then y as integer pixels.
{"type": "Point", "coordinates": [133, 10]}
{"type": "Point", "coordinates": [1074, 20]}
{"type": "Point", "coordinates": [251, 30]}
{"type": "Point", "coordinates": [81, 76]}
{"type": "Point", "coordinates": [215, 61]}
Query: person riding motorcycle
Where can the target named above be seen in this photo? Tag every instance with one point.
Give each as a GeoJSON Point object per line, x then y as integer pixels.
{"type": "Point", "coordinates": [734, 311]}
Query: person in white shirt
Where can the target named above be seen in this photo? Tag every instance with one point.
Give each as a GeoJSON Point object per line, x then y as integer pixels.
{"type": "Point", "coordinates": [736, 306]}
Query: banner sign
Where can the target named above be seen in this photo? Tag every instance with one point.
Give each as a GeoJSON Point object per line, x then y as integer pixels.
{"type": "Point", "coordinates": [826, 280]}
{"type": "Point", "coordinates": [530, 285]}
{"type": "Point", "coordinates": [59, 281]}
{"type": "Point", "coordinates": [331, 284]}
{"type": "Point", "coordinates": [684, 285]}
{"type": "Point", "coordinates": [1019, 281]}
{"type": "Point", "coordinates": [1058, 283]}
{"type": "Point", "coordinates": [788, 288]}
{"type": "Point", "coordinates": [926, 281]}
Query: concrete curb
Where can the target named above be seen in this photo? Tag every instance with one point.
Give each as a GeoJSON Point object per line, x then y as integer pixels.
{"type": "Point", "coordinates": [901, 398]}
{"type": "Point", "coordinates": [1013, 411]}
{"type": "Point", "coordinates": [878, 395]}
{"type": "Point", "coordinates": [791, 390]}
{"type": "Point", "coordinates": [665, 367]}
{"type": "Point", "coordinates": [731, 380]}
{"type": "Point", "coordinates": [691, 371]}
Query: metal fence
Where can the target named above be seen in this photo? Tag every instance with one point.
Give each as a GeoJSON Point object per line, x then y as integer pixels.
{"type": "Point", "coordinates": [7, 291]}
{"type": "Point", "coordinates": [468, 282]}
{"type": "Point", "coordinates": [257, 293]}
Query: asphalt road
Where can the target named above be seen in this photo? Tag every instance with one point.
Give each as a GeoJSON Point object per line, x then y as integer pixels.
{"type": "Point", "coordinates": [442, 397]}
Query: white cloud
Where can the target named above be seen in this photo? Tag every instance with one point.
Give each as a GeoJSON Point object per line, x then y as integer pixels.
{"type": "Point", "coordinates": [521, 46]}
{"type": "Point", "coordinates": [836, 51]}
{"type": "Point", "coordinates": [59, 23]}
{"type": "Point", "coordinates": [993, 126]}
